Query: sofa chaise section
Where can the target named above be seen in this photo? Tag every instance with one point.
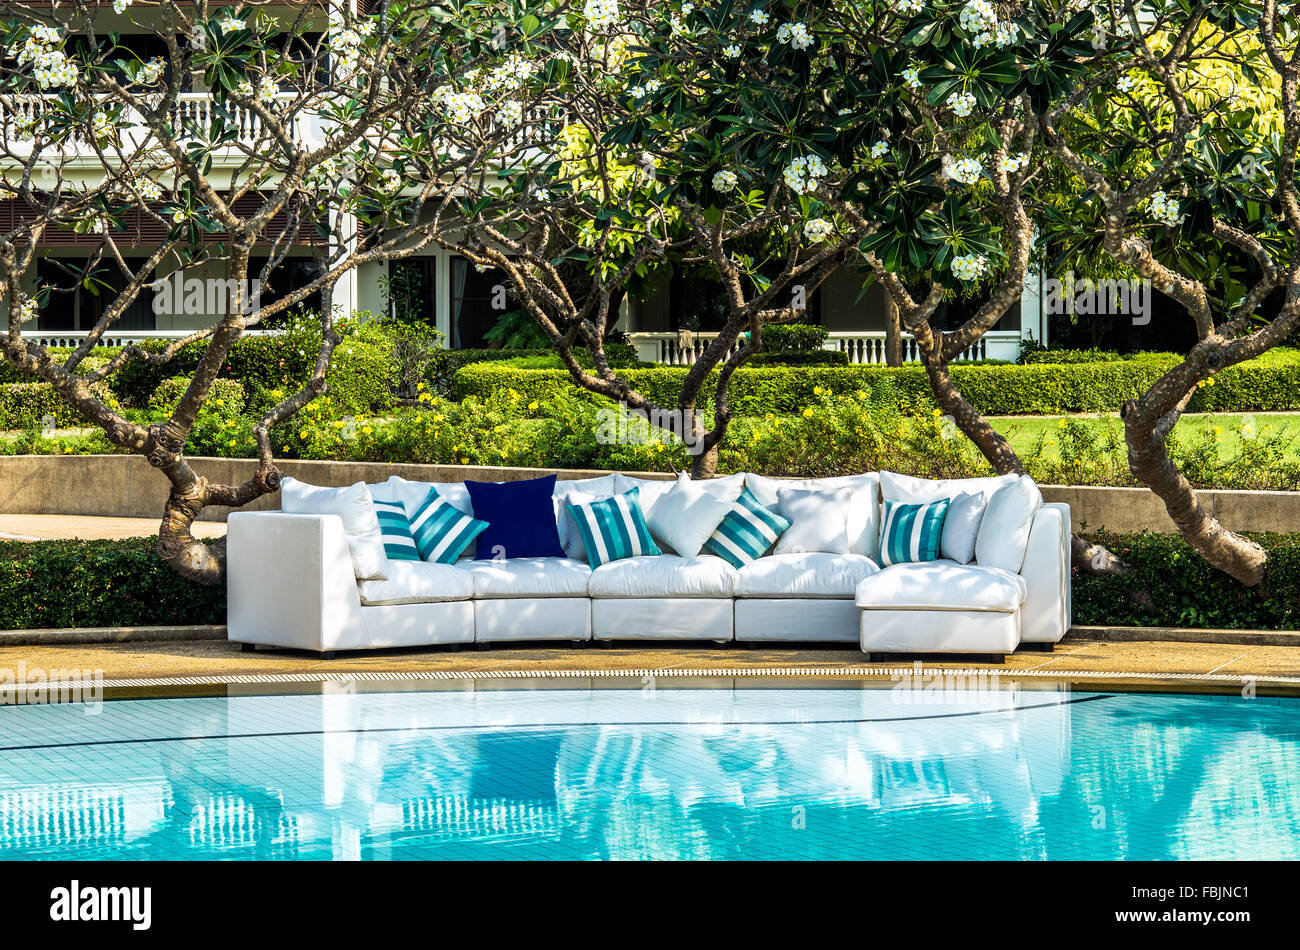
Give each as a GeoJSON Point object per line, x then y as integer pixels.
{"type": "Point", "coordinates": [290, 583]}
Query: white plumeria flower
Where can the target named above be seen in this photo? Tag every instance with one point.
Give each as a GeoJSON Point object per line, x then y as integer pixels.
{"type": "Point", "coordinates": [912, 76]}
{"type": "Point", "coordinates": [962, 103]}
{"type": "Point", "coordinates": [601, 14]}
{"type": "Point", "coordinates": [880, 148]}
{"type": "Point", "coordinates": [391, 182]}
{"type": "Point", "coordinates": [28, 309]}
{"type": "Point", "coordinates": [759, 17]}
{"type": "Point", "coordinates": [462, 107]}
{"type": "Point", "coordinates": [510, 113]}
{"type": "Point", "coordinates": [178, 216]}
{"type": "Point", "coordinates": [817, 230]}
{"type": "Point", "coordinates": [969, 266]}
{"type": "Point", "coordinates": [149, 190]}
{"type": "Point", "coordinates": [965, 170]}
{"type": "Point", "coordinates": [731, 52]}
{"type": "Point", "coordinates": [724, 181]}
{"type": "Point", "coordinates": [688, 9]}
{"type": "Point", "coordinates": [909, 7]}
{"type": "Point", "coordinates": [1126, 82]}
{"type": "Point", "coordinates": [230, 24]}
{"type": "Point", "coordinates": [245, 88]}
{"type": "Point", "coordinates": [119, 6]}
{"type": "Point", "coordinates": [100, 124]}
{"type": "Point", "coordinates": [978, 16]}
{"type": "Point", "coordinates": [1013, 163]}
{"type": "Point", "coordinates": [648, 88]}
{"type": "Point", "coordinates": [153, 70]}
{"type": "Point", "coordinates": [266, 88]}
{"type": "Point", "coordinates": [796, 34]}
{"type": "Point", "coordinates": [1165, 210]}
{"type": "Point", "coordinates": [803, 175]}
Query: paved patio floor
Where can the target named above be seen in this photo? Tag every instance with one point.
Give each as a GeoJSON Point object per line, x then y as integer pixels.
{"type": "Point", "coordinates": [59, 527]}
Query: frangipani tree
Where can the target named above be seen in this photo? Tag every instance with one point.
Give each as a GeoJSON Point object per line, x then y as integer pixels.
{"type": "Point", "coordinates": [281, 153]}
{"type": "Point", "coordinates": [615, 165]}
{"type": "Point", "coordinates": [1197, 192]}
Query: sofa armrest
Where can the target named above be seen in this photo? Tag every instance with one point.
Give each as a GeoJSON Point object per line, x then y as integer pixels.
{"type": "Point", "coordinates": [1045, 616]}
{"type": "Point", "coordinates": [289, 580]}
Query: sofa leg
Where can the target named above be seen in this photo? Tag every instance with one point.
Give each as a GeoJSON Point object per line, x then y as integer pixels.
{"type": "Point", "coordinates": [866, 657]}
{"type": "Point", "coordinates": [453, 647]}
{"type": "Point", "coordinates": [482, 647]}
{"type": "Point", "coordinates": [1046, 647]}
{"type": "Point", "coordinates": [605, 644]}
{"type": "Point", "coordinates": [327, 654]}
{"type": "Point", "coordinates": [248, 648]}
{"type": "Point", "coordinates": [993, 659]}
{"type": "Point", "coordinates": [580, 644]}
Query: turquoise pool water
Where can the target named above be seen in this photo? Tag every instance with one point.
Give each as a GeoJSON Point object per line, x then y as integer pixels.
{"type": "Point", "coordinates": [643, 772]}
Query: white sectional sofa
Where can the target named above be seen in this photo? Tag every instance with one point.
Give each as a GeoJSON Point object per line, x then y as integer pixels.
{"type": "Point", "coordinates": [291, 584]}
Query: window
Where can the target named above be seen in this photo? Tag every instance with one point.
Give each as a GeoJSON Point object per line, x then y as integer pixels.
{"type": "Point", "coordinates": [411, 290]}
{"type": "Point", "coordinates": [698, 302]}
{"type": "Point", "coordinates": [478, 299]}
{"type": "Point", "coordinates": [78, 294]}
{"type": "Point", "coordinates": [291, 274]}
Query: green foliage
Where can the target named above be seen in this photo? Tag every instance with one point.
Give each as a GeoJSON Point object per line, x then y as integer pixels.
{"type": "Point", "coordinates": [1170, 585]}
{"type": "Point", "coordinates": [1057, 357]}
{"type": "Point", "coordinates": [516, 330]}
{"type": "Point", "coordinates": [27, 405]}
{"type": "Point", "coordinates": [447, 363]}
{"type": "Point", "coordinates": [1270, 383]}
{"type": "Point", "coordinates": [222, 429]}
{"type": "Point", "coordinates": [821, 358]}
{"type": "Point", "coordinates": [793, 337]}
{"type": "Point", "coordinates": [98, 584]}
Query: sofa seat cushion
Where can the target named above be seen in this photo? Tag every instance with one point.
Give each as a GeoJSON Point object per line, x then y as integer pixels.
{"type": "Point", "coordinates": [529, 577]}
{"type": "Point", "coordinates": [810, 574]}
{"type": "Point", "coordinates": [665, 575]}
{"type": "Point", "coordinates": [417, 582]}
{"type": "Point", "coordinates": [942, 585]}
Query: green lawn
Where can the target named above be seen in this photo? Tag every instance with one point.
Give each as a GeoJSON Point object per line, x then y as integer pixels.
{"type": "Point", "coordinates": [1023, 432]}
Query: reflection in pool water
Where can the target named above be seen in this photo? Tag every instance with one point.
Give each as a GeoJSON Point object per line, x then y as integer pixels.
{"type": "Point", "coordinates": [664, 773]}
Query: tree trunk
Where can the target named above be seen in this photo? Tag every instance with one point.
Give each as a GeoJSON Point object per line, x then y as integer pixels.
{"type": "Point", "coordinates": [893, 334]}
{"type": "Point", "coordinates": [705, 464]}
{"type": "Point", "coordinates": [1148, 460]}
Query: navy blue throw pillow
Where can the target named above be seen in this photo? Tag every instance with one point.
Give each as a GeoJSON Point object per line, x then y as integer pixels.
{"type": "Point", "coordinates": [520, 517]}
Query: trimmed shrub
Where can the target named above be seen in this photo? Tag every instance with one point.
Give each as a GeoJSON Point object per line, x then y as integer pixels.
{"type": "Point", "coordinates": [793, 337]}
{"type": "Point", "coordinates": [818, 358]}
{"type": "Point", "coordinates": [448, 362]}
{"type": "Point", "coordinates": [26, 406]}
{"type": "Point", "coordinates": [1090, 355]}
{"type": "Point", "coordinates": [1169, 585]}
{"type": "Point", "coordinates": [98, 584]}
{"type": "Point", "coordinates": [1268, 384]}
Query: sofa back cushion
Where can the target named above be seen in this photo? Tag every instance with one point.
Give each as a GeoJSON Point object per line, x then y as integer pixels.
{"type": "Point", "coordinates": [911, 533]}
{"type": "Point", "coordinates": [650, 490]}
{"type": "Point", "coordinates": [747, 532]}
{"type": "Point", "coordinates": [863, 517]}
{"type": "Point", "coordinates": [1004, 532]}
{"type": "Point", "coordinates": [442, 532]}
{"type": "Point", "coordinates": [895, 487]}
{"type": "Point", "coordinates": [355, 506]}
{"type": "Point", "coordinates": [520, 517]}
{"type": "Point", "coordinates": [818, 520]}
{"type": "Point", "coordinates": [612, 528]}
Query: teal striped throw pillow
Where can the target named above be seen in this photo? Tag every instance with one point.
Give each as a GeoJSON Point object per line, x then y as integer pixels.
{"type": "Point", "coordinates": [441, 530]}
{"type": "Point", "coordinates": [911, 532]}
{"type": "Point", "coordinates": [399, 543]}
{"type": "Point", "coordinates": [613, 528]}
{"type": "Point", "coordinates": [747, 532]}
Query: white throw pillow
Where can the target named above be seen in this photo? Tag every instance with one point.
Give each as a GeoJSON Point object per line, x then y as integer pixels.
{"type": "Point", "coordinates": [1004, 532]}
{"type": "Point", "coordinates": [818, 520]}
{"type": "Point", "coordinates": [688, 514]}
{"type": "Point", "coordinates": [356, 507]}
{"type": "Point", "coordinates": [922, 491]}
{"type": "Point", "coordinates": [864, 509]}
{"type": "Point", "coordinates": [961, 526]}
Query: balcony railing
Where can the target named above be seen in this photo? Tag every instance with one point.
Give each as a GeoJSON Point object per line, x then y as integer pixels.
{"type": "Point", "coordinates": [861, 346]}
{"type": "Point", "coordinates": [193, 110]}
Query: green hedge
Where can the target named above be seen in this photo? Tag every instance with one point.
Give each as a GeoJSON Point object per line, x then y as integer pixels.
{"type": "Point", "coordinates": [26, 405]}
{"type": "Point", "coordinates": [1169, 585]}
{"type": "Point", "coordinates": [449, 362]}
{"type": "Point", "coordinates": [98, 584]}
{"type": "Point", "coordinates": [1268, 384]}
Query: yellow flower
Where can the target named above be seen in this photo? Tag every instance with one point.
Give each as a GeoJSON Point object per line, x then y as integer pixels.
{"type": "Point", "coordinates": [1060, 423]}
{"type": "Point", "coordinates": [420, 386]}
{"type": "Point", "coordinates": [532, 407]}
{"type": "Point", "coordinates": [302, 434]}
{"type": "Point", "coordinates": [1218, 430]}
{"type": "Point", "coordinates": [936, 413]}
{"type": "Point", "coordinates": [232, 443]}
{"type": "Point", "coordinates": [366, 430]}
{"type": "Point", "coordinates": [817, 390]}
{"type": "Point", "coordinates": [808, 413]}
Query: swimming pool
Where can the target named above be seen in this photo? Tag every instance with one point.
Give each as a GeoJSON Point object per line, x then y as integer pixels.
{"type": "Point", "coordinates": [653, 772]}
